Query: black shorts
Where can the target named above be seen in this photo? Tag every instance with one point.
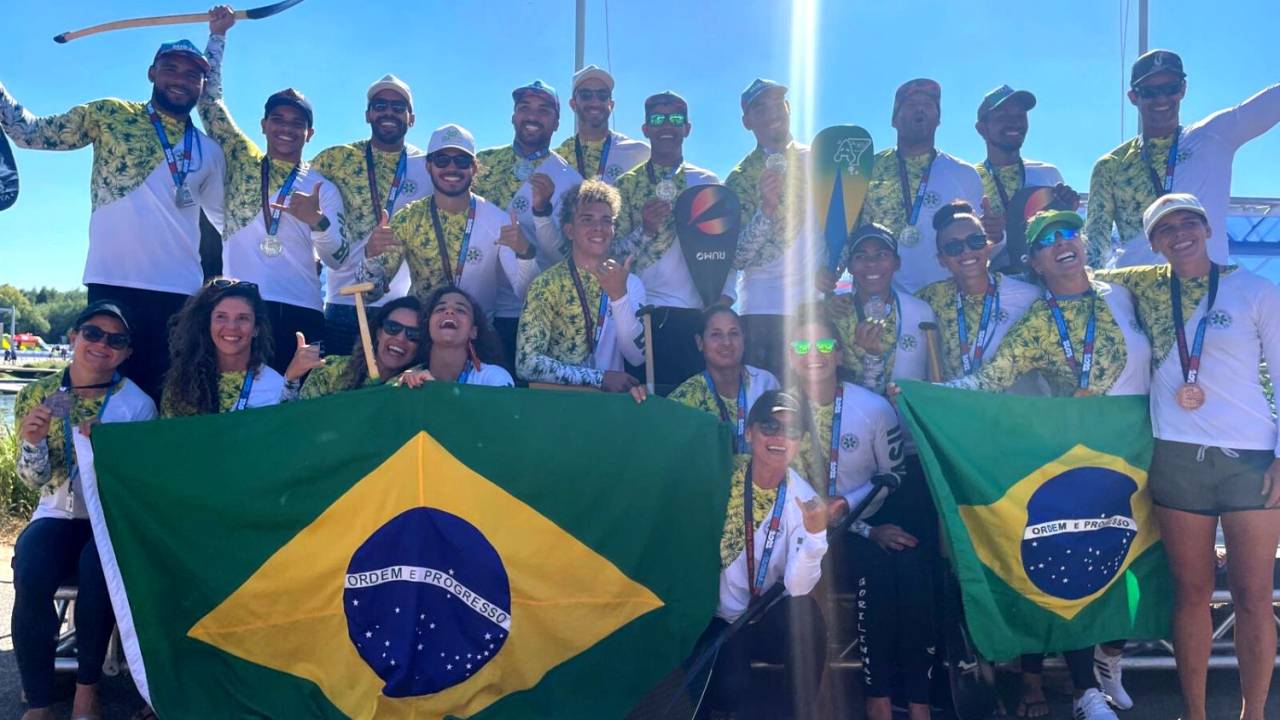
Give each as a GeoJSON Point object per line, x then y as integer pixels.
{"type": "Point", "coordinates": [1207, 480]}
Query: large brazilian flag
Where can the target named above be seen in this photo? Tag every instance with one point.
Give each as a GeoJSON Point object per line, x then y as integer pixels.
{"type": "Point", "coordinates": [450, 551]}
{"type": "Point", "coordinates": [1046, 515]}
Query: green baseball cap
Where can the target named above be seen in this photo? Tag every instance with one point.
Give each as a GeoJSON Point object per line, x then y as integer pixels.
{"type": "Point", "coordinates": [1051, 220]}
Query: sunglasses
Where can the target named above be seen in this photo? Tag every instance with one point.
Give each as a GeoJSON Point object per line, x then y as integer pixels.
{"type": "Point", "coordinates": [601, 94]}
{"type": "Point", "coordinates": [826, 346]}
{"type": "Point", "coordinates": [224, 283]}
{"type": "Point", "coordinates": [956, 248]}
{"type": "Point", "coordinates": [1051, 238]}
{"type": "Point", "coordinates": [462, 162]}
{"type": "Point", "coordinates": [393, 328]}
{"type": "Point", "coordinates": [95, 334]}
{"type": "Point", "coordinates": [397, 106]}
{"type": "Point", "coordinates": [660, 119]}
{"type": "Point", "coordinates": [772, 427]}
{"type": "Point", "coordinates": [1147, 92]}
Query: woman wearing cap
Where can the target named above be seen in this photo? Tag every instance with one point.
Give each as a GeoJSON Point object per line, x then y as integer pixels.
{"type": "Point", "coordinates": [58, 544]}
{"type": "Point", "coordinates": [461, 346]}
{"type": "Point", "coordinates": [756, 553]}
{"type": "Point", "coordinates": [727, 387]}
{"type": "Point", "coordinates": [579, 321]}
{"type": "Point", "coordinates": [975, 307]}
{"type": "Point", "coordinates": [1211, 327]}
{"type": "Point", "coordinates": [220, 344]}
{"type": "Point", "coordinates": [397, 346]}
{"type": "Point", "coordinates": [852, 434]}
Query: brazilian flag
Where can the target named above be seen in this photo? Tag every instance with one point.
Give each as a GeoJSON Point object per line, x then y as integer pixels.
{"type": "Point", "coordinates": [1046, 514]}
{"type": "Point", "coordinates": [450, 551]}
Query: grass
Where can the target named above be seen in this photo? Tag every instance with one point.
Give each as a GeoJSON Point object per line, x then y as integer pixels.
{"type": "Point", "coordinates": [16, 500]}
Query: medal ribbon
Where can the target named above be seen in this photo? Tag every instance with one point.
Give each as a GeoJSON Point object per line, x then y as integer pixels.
{"type": "Point", "coordinates": [401, 167]}
{"type": "Point", "coordinates": [444, 249]}
{"type": "Point", "coordinates": [1191, 360]}
{"type": "Point", "coordinates": [179, 173]}
{"type": "Point", "coordinates": [73, 468]}
{"type": "Point", "coordinates": [593, 329]}
{"type": "Point", "coordinates": [971, 358]}
{"type": "Point", "coordinates": [243, 401]}
{"type": "Point", "coordinates": [756, 576]}
{"type": "Point", "coordinates": [740, 428]}
{"type": "Point", "coordinates": [604, 155]}
{"type": "Point", "coordinates": [466, 373]}
{"type": "Point", "coordinates": [653, 176]}
{"type": "Point", "coordinates": [1170, 165]}
{"type": "Point", "coordinates": [897, 308]}
{"type": "Point", "coordinates": [913, 213]}
{"type": "Point", "coordinates": [1004, 195]}
{"type": "Point", "coordinates": [833, 460]}
{"type": "Point", "coordinates": [270, 215]}
{"type": "Point", "coordinates": [1085, 364]}
{"type": "Point", "coordinates": [532, 158]}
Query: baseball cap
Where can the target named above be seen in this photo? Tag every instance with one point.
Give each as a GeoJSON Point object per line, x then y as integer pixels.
{"type": "Point", "coordinates": [1166, 204]}
{"type": "Point", "coordinates": [102, 307]}
{"type": "Point", "coordinates": [1052, 220]}
{"type": "Point", "coordinates": [183, 47]}
{"type": "Point", "coordinates": [1003, 94]}
{"type": "Point", "coordinates": [293, 98]}
{"type": "Point", "coordinates": [666, 96]}
{"type": "Point", "coordinates": [593, 72]}
{"type": "Point", "coordinates": [393, 83]}
{"type": "Point", "coordinates": [869, 231]}
{"type": "Point", "coordinates": [770, 402]}
{"type": "Point", "coordinates": [1155, 61]}
{"type": "Point", "coordinates": [452, 136]}
{"type": "Point", "coordinates": [925, 86]}
{"type": "Point", "coordinates": [759, 87]}
{"type": "Point", "coordinates": [538, 87]}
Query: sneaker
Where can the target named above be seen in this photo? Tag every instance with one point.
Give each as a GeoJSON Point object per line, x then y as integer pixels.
{"type": "Point", "coordinates": [1092, 705]}
{"type": "Point", "coordinates": [1106, 668]}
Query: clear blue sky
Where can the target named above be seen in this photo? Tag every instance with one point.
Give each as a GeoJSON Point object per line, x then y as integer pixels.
{"type": "Point", "coordinates": [462, 59]}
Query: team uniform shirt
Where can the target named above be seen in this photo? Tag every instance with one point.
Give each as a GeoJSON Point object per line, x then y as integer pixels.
{"type": "Point", "coordinates": [496, 181]}
{"type": "Point", "coordinates": [138, 236]}
{"type": "Point", "coordinates": [551, 342]}
{"type": "Point", "coordinates": [625, 154]}
{"type": "Point", "coordinates": [332, 377]}
{"type": "Point", "coordinates": [1121, 354]}
{"type": "Point", "coordinates": [659, 260]}
{"type": "Point", "coordinates": [796, 559]}
{"type": "Point", "coordinates": [289, 277]}
{"type": "Point", "coordinates": [490, 375]}
{"type": "Point", "coordinates": [1242, 331]}
{"type": "Point", "coordinates": [1012, 300]}
{"type": "Point", "coordinates": [949, 179]}
{"type": "Point", "coordinates": [45, 465]}
{"type": "Point", "coordinates": [1121, 187]}
{"type": "Point", "coordinates": [485, 259]}
{"type": "Point", "coordinates": [267, 389]}
{"type": "Point", "coordinates": [1012, 178]}
{"type": "Point", "coordinates": [870, 443]}
{"type": "Point", "coordinates": [346, 166]}
{"type": "Point", "coordinates": [775, 257]}
{"type": "Point", "coordinates": [905, 355]}
{"type": "Point", "coordinates": [696, 392]}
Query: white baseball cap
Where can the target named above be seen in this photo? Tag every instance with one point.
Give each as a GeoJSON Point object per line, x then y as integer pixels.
{"type": "Point", "coordinates": [391, 82]}
{"type": "Point", "coordinates": [592, 72]}
{"type": "Point", "coordinates": [452, 136]}
{"type": "Point", "coordinates": [1166, 204]}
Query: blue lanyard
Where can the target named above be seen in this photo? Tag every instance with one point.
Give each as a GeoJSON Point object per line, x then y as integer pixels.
{"type": "Point", "coordinates": [466, 373]}
{"type": "Point", "coordinates": [466, 240]}
{"type": "Point", "coordinates": [179, 173]}
{"type": "Point", "coordinates": [972, 358]}
{"type": "Point", "coordinates": [833, 461]}
{"type": "Point", "coordinates": [271, 216]}
{"type": "Point", "coordinates": [604, 155]}
{"type": "Point", "coordinates": [595, 329]}
{"type": "Point", "coordinates": [1086, 356]}
{"type": "Point", "coordinates": [530, 161]}
{"type": "Point", "coordinates": [905, 182]}
{"type": "Point", "coordinates": [1170, 165]}
{"type": "Point", "coordinates": [756, 575]}
{"type": "Point", "coordinates": [243, 401]}
{"type": "Point", "coordinates": [397, 181]}
{"type": "Point", "coordinates": [740, 429]}
{"type": "Point", "coordinates": [1190, 360]}
{"type": "Point", "coordinates": [73, 467]}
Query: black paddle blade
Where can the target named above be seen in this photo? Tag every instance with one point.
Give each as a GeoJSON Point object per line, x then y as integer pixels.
{"type": "Point", "coordinates": [1026, 202]}
{"type": "Point", "coordinates": [972, 679]}
{"type": "Point", "coordinates": [680, 692]}
{"type": "Point", "coordinates": [708, 218]}
{"type": "Point", "coordinates": [8, 175]}
{"type": "Point", "coordinates": [269, 10]}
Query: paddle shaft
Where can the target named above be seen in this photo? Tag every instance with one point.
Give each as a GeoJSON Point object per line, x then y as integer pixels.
{"type": "Point", "coordinates": [141, 22]}
{"type": "Point", "coordinates": [648, 353]}
{"type": "Point", "coordinates": [365, 338]}
{"type": "Point", "coordinates": [932, 345]}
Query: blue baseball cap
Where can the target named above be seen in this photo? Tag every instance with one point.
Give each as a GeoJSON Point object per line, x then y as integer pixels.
{"type": "Point", "coordinates": [538, 87]}
{"type": "Point", "coordinates": [759, 87]}
{"type": "Point", "coordinates": [183, 47]}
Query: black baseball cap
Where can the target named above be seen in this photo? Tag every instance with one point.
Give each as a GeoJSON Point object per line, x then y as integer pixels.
{"type": "Point", "coordinates": [1155, 61]}
{"type": "Point", "coordinates": [293, 98]}
{"type": "Point", "coordinates": [102, 307]}
{"type": "Point", "coordinates": [869, 231]}
{"type": "Point", "coordinates": [770, 402]}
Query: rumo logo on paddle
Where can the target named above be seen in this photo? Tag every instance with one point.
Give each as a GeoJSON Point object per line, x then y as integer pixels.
{"type": "Point", "coordinates": [1080, 527]}
{"type": "Point", "coordinates": [427, 601]}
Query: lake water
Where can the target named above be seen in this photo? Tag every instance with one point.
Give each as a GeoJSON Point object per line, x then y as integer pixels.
{"type": "Point", "coordinates": [6, 410]}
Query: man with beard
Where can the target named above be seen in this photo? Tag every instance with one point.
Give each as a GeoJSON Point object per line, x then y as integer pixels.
{"type": "Point", "coordinates": [153, 174]}
{"type": "Point", "coordinates": [910, 182]}
{"type": "Point", "coordinates": [451, 237]}
{"type": "Point", "coordinates": [647, 233]}
{"type": "Point", "coordinates": [527, 179]}
{"type": "Point", "coordinates": [377, 177]}
{"type": "Point", "coordinates": [280, 213]}
{"type": "Point", "coordinates": [1002, 123]}
{"type": "Point", "coordinates": [775, 245]}
{"type": "Point", "coordinates": [1167, 157]}
{"type": "Point", "coordinates": [594, 150]}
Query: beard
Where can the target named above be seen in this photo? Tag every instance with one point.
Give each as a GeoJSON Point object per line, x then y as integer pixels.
{"type": "Point", "coordinates": [466, 188]}
{"type": "Point", "coordinates": [160, 100]}
{"type": "Point", "coordinates": [1008, 146]}
{"type": "Point", "coordinates": [389, 137]}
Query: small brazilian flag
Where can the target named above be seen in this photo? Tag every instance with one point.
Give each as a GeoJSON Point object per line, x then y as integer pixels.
{"type": "Point", "coordinates": [1046, 514]}
{"type": "Point", "coordinates": [450, 551]}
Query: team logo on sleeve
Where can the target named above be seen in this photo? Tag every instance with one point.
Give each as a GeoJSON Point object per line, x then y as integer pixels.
{"type": "Point", "coordinates": [519, 203]}
{"type": "Point", "coordinates": [849, 441]}
{"type": "Point", "coordinates": [908, 343]}
{"type": "Point", "coordinates": [1220, 319]}
{"type": "Point", "coordinates": [408, 188]}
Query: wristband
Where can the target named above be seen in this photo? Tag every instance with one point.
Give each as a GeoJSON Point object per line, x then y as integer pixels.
{"type": "Point", "coordinates": [861, 528]}
{"type": "Point", "coordinates": [322, 225]}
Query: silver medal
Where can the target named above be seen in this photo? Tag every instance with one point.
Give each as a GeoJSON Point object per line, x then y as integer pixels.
{"type": "Point", "coordinates": [270, 246]}
{"type": "Point", "coordinates": [910, 236]}
{"type": "Point", "coordinates": [182, 197]}
{"type": "Point", "coordinates": [666, 190]}
{"type": "Point", "coordinates": [524, 169]}
{"type": "Point", "coordinates": [777, 162]}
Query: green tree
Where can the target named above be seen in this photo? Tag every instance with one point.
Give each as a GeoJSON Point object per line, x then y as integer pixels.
{"type": "Point", "coordinates": [29, 318]}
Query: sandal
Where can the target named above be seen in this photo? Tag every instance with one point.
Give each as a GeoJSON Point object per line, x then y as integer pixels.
{"type": "Point", "coordinates": [1032, 708]}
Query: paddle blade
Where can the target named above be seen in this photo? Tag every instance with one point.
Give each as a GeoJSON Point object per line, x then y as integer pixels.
{"type": "Point", "coordinates": [842, 159]}
{"type": "Point", "coordinates": [708, 218]}
{"type": "Point", "coordinates": [1026, 202]}
{"type": "Point", "coordinates": [8, 175]}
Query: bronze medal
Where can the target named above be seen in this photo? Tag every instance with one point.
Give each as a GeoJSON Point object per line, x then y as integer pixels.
{"type": "Point", "coordinates": [1190, 396]}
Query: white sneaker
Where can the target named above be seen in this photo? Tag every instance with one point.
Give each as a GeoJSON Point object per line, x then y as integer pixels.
{"type": "Point", "coordinates": [1092, 705]}
{"type": "Point", "coordinates": [1106, 668]}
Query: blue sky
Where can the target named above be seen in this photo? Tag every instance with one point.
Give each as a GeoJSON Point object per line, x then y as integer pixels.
{"type": "Point", "coordinates": [463, 57]}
